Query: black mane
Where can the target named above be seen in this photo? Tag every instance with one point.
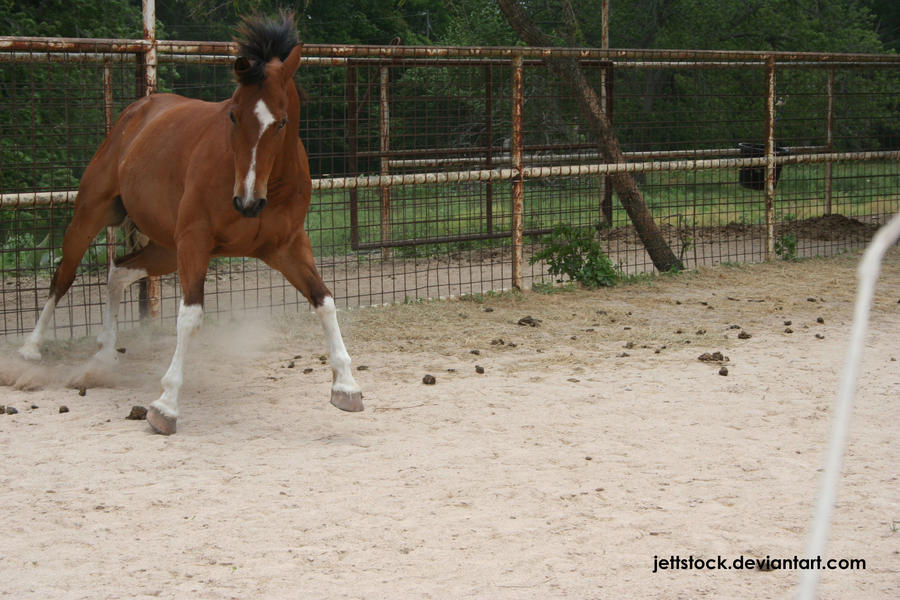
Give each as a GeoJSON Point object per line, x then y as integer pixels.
{"type": "Point", "coordinates": [260, 39]}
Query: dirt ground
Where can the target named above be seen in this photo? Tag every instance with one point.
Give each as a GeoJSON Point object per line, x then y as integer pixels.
{"type": "Point", "coordinates": [594, 441]}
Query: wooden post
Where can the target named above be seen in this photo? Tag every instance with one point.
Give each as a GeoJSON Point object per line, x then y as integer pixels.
{"type": "Point", "coordinates": [770, 158]}
{"type": "Point", "coordinates": [518, 185]}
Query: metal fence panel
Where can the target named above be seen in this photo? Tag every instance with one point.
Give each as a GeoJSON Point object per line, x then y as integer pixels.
{"type": "Point", "coordinates": [421, 186]}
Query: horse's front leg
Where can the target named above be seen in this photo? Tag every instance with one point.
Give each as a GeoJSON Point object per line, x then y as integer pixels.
{"type": "Point", "coordinates": [298, 266]}
{"type": "Point", "coordinates": [345, 392]}
{"type": "Point", "coordinates": [192, 266]}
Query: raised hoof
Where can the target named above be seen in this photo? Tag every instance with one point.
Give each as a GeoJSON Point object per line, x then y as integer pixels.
{"type": "Point", "coordinates": [29, 352]}
{"type": "Point", "coordinates": [159, 422]}
{"type": "Point", "coordinates": [348, 401]}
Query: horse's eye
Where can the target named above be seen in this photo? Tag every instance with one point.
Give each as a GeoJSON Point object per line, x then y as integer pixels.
{"type": "Point", "coordinates": [282, 123]}
{"type": "Point", "coordinates": [231, 116]}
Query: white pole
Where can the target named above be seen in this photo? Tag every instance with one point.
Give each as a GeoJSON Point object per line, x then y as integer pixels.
{"type": "Point", "coordinates": [867, 273]}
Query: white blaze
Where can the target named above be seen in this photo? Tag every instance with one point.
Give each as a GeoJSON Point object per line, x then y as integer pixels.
{"type": "Point", "coordinates": [265, 118]}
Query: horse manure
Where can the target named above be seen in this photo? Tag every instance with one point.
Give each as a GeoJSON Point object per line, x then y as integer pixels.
{"type": "Point", "coordinates": [362, 368]}
{"type": "Point", "coordinates": [63, 409]}
{"type": "Point", "coordinates": [723, 371]}
{"type": "Point", "coordinates": [12, 410]}
{"type": "Point", "coordinates": [475, 352]}
{"type": "Point", "coordinates": [138, 413]}
{"type": "Point", "coordinates": [429, 380]}
{"type": "Point", "coordinates": [743, 335]}
{"type": "Point", "coordinates": [529, 321]}
{"type": "Point", "coordinates": [820, 320]}
{"type": "Point", "coordinates": [496, 342]}
{"type": "Point", "coordinates": [714, 357]}
{"type": "Point", "coordinates": [82, 391]}
{"type": "Point", "coordinates": [307, 370]}
{"type": "Point", "coordinates": [479, 369]}
{"type": "Point", "coordinates": [121, 350]}
{"type": "Point", "coordinates": [290, 365]}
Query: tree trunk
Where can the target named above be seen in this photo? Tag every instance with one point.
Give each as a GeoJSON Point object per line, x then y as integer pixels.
{"type": "Point", "coordinates": [630, 196]}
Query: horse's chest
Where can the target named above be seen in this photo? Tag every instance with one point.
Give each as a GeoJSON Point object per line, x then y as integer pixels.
{"type": "Point", "coordinates": [253, 236]}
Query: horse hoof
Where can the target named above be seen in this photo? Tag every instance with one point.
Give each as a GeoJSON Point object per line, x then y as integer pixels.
{"type": "Point", "coordinates": [30, 353]}
{"type": "Point", "coordinates": [348, 401]}
{"type": "Point", "coordinates": [159, 422]}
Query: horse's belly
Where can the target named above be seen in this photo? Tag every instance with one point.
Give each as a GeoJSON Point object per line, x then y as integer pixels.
{"type": "Point", "coordinates": [154, 174]}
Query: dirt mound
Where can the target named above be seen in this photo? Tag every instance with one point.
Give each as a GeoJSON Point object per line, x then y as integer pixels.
{"type": "Point", "coordinates": [829, 228]}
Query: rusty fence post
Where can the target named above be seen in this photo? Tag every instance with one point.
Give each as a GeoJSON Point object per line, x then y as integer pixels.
{"type": "Point", "coordinates": [518, 185]}
{"type": "Point", "coordinates": [384, 128]}
{"type": "Point", "coordinates": [149, 295]}
{"type": "Point", "coordinates": [829, 137]}
{"type": "Point", "coordinates": [107, 127]}
{"type": "Point", "coordinates": [353, 148]}
{"type": "Point", "coordinates": [770, 157]}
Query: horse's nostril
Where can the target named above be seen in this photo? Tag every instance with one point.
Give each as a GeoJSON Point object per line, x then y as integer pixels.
{"type": "Point", "coordinates": [260, 204]}
{"type": "Point", "coordinates": [237, 204]}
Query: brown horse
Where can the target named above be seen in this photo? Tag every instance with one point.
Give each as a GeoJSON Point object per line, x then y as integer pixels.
{"type": "Point", "coordinates": [205, 179]}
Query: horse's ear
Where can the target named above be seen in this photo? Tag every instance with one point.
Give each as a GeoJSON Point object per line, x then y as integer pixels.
{"type": "Point", "coordinates": [241, 66]}
{"type": "Point", "coordinates": [292, 62]}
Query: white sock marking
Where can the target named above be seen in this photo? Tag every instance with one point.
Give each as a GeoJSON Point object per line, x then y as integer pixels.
{"type": "Point", "coordinates": [189, 319]}
{"type": "Point", "coordinates": [30, 350]}
{"type": "Point", "coordinates": [340, 359]}
{"type": "Point", "coordinates": [119, 279]}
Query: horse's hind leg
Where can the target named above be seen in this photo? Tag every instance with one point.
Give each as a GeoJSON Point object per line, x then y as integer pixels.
{"type": "Point", "coordinates": [152, 259]}
{"type": "Point", "coordinates": [96, 207]}
{"type": "Point", "coordinates": [299, 267]}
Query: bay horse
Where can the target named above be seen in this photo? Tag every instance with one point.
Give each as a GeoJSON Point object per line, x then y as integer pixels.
{"type": "Point", "coordinates": [201, 180]}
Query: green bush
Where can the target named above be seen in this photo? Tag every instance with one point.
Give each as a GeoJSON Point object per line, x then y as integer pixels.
{"type": "Point", "coordinates": [576, 254]}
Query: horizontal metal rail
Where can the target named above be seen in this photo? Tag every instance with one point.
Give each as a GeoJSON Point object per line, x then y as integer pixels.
{"type": "Point", "coordinates": [594, 156]}
{"type": "Point", "coordinates": [37, 199]}
{"type": "Point", "coordinates": [331, 51]}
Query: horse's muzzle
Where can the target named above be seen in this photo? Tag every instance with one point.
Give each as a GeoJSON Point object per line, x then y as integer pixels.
{"type": "Point", "coordinates": [251, 210]}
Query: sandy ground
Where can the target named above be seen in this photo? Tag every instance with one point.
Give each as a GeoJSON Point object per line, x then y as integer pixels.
{"type": "Point", "coordinates": [591, 443]}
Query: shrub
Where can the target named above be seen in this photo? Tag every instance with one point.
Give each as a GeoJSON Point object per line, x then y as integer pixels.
{"type": "Point", "coordinates": [576, 254]}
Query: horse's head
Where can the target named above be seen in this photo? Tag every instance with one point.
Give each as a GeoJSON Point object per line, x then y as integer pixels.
{"type": "Point", "coordinates": [260, 122]}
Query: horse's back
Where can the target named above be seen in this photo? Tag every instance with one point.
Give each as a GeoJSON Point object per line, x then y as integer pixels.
{"type": "Point", "coordinates": [145, 157]}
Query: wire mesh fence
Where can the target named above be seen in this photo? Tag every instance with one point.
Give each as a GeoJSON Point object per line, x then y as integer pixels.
{"type": "Point", "coordinates": [418, 156]}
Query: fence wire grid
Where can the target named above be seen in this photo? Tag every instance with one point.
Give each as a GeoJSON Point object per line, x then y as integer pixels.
{"type": "Point", "coordinates": [413, 154]}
